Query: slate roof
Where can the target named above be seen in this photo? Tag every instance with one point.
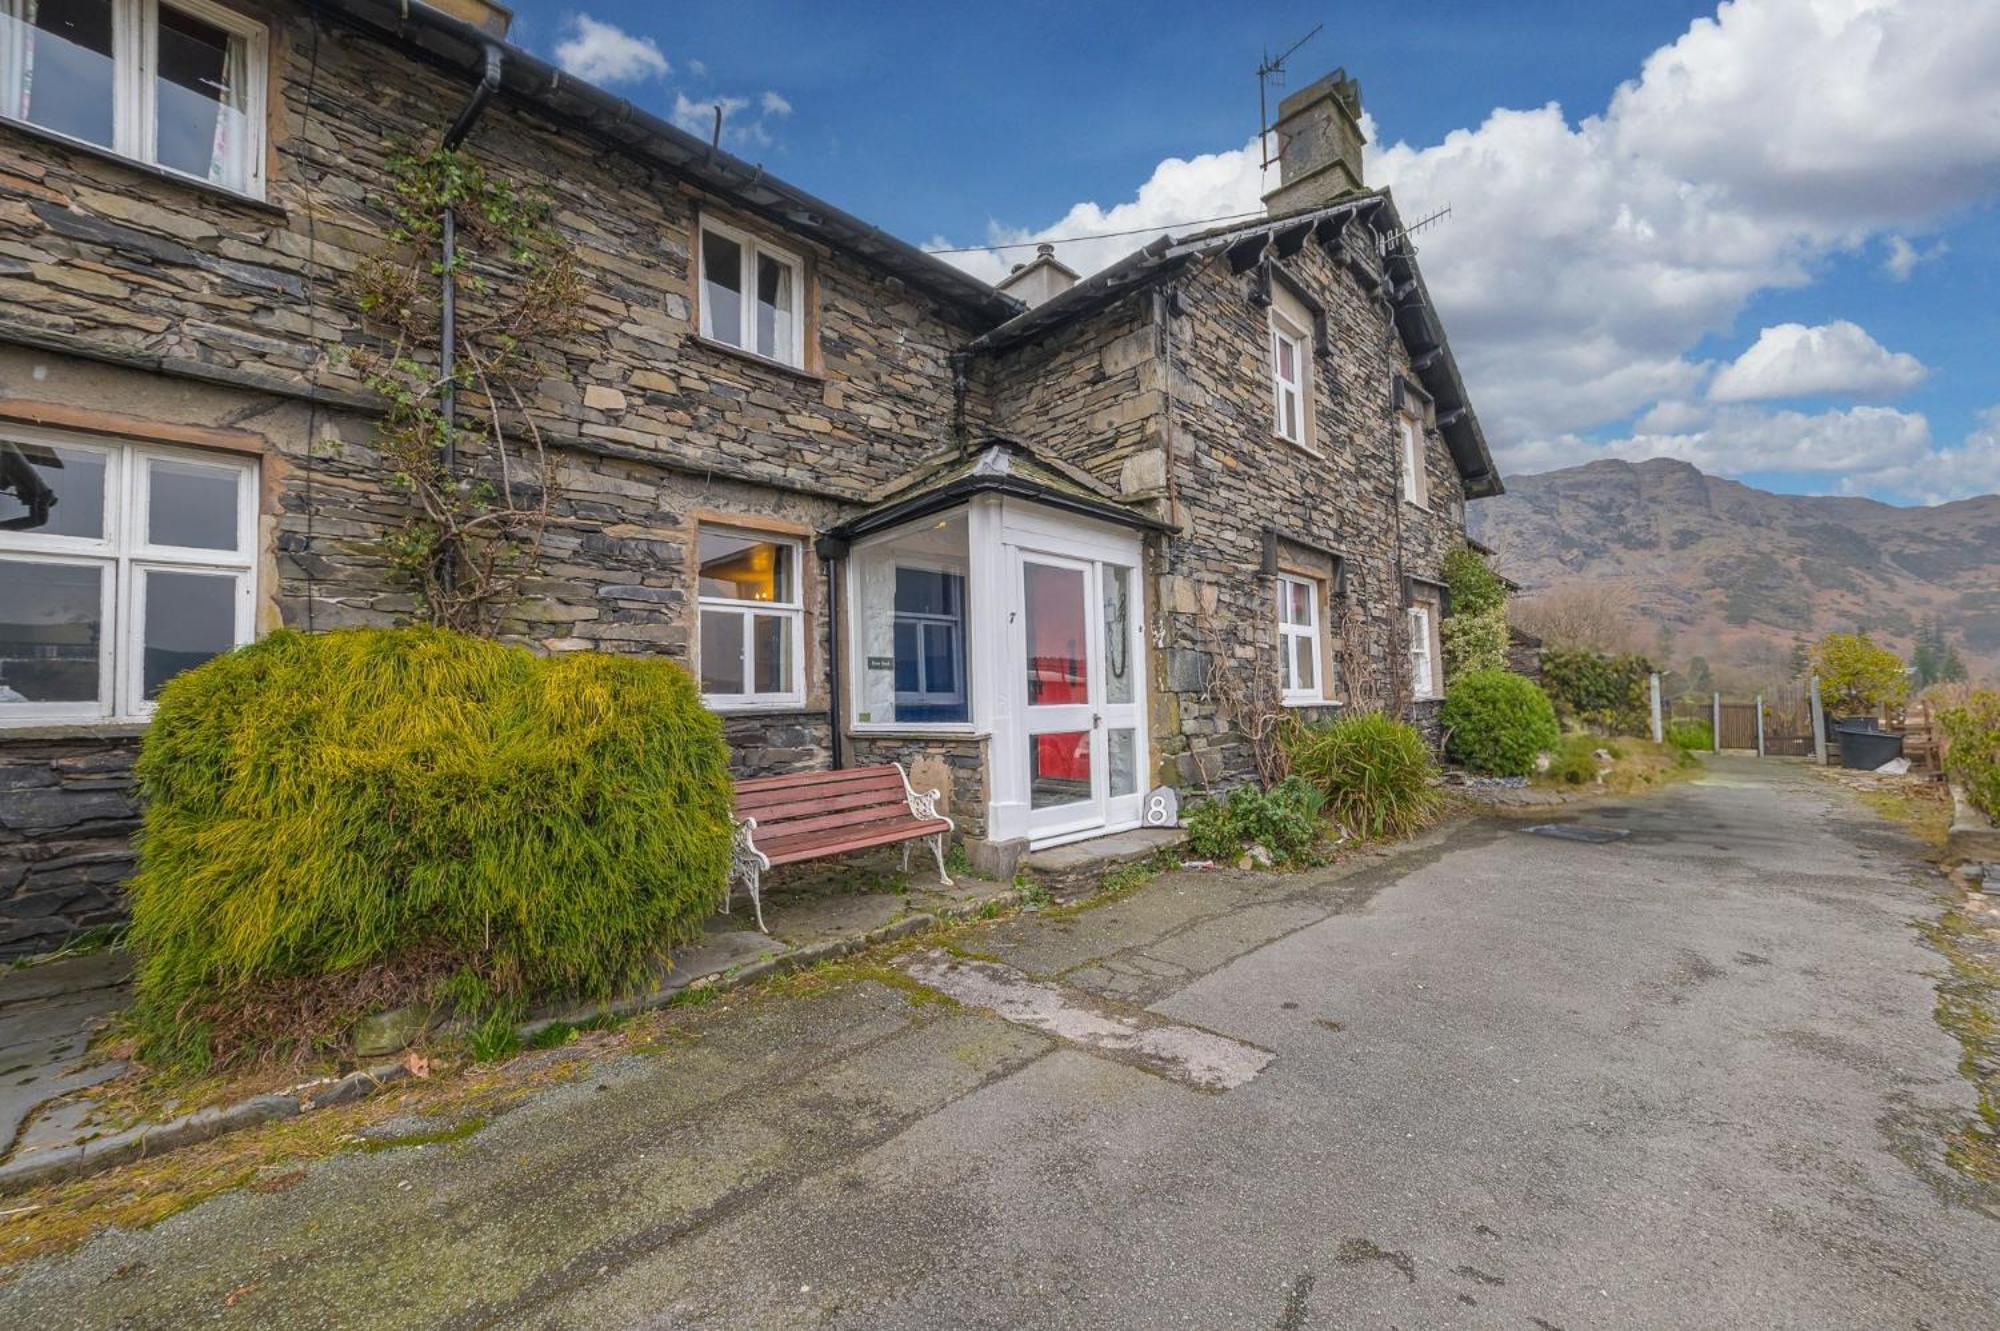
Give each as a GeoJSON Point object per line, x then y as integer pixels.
{"type": "Point", "coordinates": [995, 466]}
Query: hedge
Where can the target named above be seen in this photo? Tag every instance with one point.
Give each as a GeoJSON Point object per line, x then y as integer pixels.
{"type": "Point", "coordinates": [502, 825]}
{"type": "Point", "coordinates": [1972, 732]}
{"type": "Point", "coordinates": [1609, 694]}
{"type": "Point", "coordinates": [1496, 722]}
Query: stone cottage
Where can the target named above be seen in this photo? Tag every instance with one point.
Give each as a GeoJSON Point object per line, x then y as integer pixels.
{"type": "Point", "coordinates": [1051, 543]}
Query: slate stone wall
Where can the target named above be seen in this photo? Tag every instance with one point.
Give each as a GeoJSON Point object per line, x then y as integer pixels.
{"type": "Point", "coordinates": [67, 815]}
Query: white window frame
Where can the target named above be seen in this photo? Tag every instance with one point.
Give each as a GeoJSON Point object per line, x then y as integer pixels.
{"type": "Point", "coordinates": [1416, 489]}
{"type": "Point", "coordinates": [127, 558]}
{"type": "Point", "coordinates": [135, 29]}
{"type": "Point", "coordinates": [1292, 690]}
{"type": "Point", "coordinates": [1423, 674]}
{"type": "Point", "coordinates": [792, 612]}
{"type": "Point", "coordinates": [923, 624]}
{"type": "Point", "coordinates": [751, 248]}
{"type": "Point", "coordinates": [1284, 332]}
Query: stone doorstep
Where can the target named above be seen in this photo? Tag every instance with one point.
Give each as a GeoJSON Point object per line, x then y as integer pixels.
{"type": "Point", "coordinates": [713, 964]}
{"type": "Point", "coordinates": [1973, 835]}
{"type": "Point", "coordinates": [1062, 868]}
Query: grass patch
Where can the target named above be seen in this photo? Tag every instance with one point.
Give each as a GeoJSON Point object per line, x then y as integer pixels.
{"type": "Point", "coordinates": [457, 1132]}
{"type": "Point", "coordinates": [1923, 809]}
{"type": "Point", "coordinates": [1634, 764]}
{"type": "Point", "coordinates": [1968, 1008]}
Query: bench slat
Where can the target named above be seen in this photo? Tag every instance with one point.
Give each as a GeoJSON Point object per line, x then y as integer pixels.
{"type": "Point", "coordinates": [818, 845]}
{"type": "Point", "coordinates": [790, 794]}
{"type": "Point", "coordinates": [821, 820]}
{"type": "Point", "coordinates": [860, 799]}
{"type": "Point", "coordinates": [835, 776]}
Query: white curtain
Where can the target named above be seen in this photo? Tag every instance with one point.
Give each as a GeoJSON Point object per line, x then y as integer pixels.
{"type": "Point", "coordinates": [17, 56]}
{"type": "Point", "coordinates": [226, 164]}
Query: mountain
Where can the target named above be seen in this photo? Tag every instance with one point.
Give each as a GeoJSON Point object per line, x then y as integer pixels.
{"type": "Point", "coordinates": [1739, 575]}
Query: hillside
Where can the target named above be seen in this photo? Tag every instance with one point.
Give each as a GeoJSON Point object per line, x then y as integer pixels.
{"type": "Point", "coordinates": [1740, 574]}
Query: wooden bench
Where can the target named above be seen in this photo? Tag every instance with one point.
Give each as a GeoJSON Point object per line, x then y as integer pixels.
{"type": "Point", "coordinates": [817, 815]}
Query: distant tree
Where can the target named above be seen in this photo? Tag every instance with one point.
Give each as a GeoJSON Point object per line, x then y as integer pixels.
{"type": "Point", "coordinates": [1800, 664]}
{"type": "Point", "coordinates": [1700, 679]}
{"type": "Point", "coordinates": [1578, 617]}
{"type": "Point", "coordinates": [1927, 654]}
{"type": "Point", "coordinates": [1951, 670]}
{"type": "Point", "coordinates": [1856, 676]}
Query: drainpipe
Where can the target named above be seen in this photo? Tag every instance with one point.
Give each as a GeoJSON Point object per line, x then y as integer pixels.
{"type": "Point", "coordinates": [832, 552]}
{"type": "Point", "coordinates": [489, 83]}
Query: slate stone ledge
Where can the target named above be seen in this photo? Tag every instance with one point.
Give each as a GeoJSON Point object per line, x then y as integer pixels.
{"type": "Point", "coordinates": [82, 730]}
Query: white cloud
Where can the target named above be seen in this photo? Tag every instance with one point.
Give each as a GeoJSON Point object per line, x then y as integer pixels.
{"type": "Point", "coordinates": [1903, 257]}
{"type": "Point", "coordinates": [1585, 259]}
{"type": "Point", "coordinates": [1944, 474]}
{"type": "Point", "coordinates": [1792, 360]}
{"type": "Point", "coordinates": [776, 105]}
{"type": "Point", "coordinates": [605, 53]}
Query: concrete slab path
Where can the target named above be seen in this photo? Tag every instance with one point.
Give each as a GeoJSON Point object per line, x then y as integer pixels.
{"type": "Point", "coordinates": [1689, 1078]}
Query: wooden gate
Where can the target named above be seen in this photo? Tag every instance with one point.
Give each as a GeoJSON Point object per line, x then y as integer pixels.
{"type": "Point", "coordinates": [1739, 725]}
{"type": "Point", "coordinates": [1788, 723]}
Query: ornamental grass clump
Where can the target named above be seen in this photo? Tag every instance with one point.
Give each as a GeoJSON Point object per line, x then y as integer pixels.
{"type": "Point", "coordinates": [350, 820]}
{"type": "Point", "coordinates": [1496, 722]}
{"type": "Point", "coordinates": [1376, 773]}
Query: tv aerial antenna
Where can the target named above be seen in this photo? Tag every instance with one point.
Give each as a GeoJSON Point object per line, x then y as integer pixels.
{"type": "Point", "coordinates": [1269, 72]}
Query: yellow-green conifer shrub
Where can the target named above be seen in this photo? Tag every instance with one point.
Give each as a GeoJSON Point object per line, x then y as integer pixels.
{"type": "Point", "coordinates": [319, 803]}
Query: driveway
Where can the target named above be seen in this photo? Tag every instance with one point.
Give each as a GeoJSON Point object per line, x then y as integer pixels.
{"type": "Point", "coordinates": [1689, 1078]}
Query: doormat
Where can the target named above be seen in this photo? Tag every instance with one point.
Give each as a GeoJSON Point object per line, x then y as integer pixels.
{"type": "Point", "coordinates": [1596, 836]}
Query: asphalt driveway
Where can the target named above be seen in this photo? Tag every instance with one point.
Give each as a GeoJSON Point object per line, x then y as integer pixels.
{"type": "Point", "coordinates": [1689, 1078]}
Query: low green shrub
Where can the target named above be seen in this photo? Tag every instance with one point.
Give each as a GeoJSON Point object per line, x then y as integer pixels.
{"type": "Point", "coordinates": [1375, 772]}
{"type": "Point", "coordinates": [1496, 722]}
{"type": "Point", "coordinates": [1972, 736]}
{"type": "Point", "coordinates": [366, 817]}
{"type": "Point", "coordinates": [1691, 736]}
{"type": "Point", "coordinates": [1609, 694]}
{"type": "Point", "coordinates": [1574, 762]}
{"type": "Point", "coordinates": [1285, 820]}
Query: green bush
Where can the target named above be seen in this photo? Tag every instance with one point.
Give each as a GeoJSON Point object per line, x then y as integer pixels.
{"type": "Point", "coordinates": [1496, 722]}
{"type": "Point", "coordinates": [1972, 735]}
{"type": "Point", "coordinates": [1475, 633]}
{"type": "Point", "coordinates": [1856, 677]}
{"type": "Point", "coordinates": [413, 813]}
{"type": "Point", "coordinates": [1284, 820]}
{"type": "Point", "coordinates": [1609, 694]}
{"type": "Point", "coordinates": [1574, 762]}
{"type": "Point", "coordinates": [1374, 771]}
{"type": "Point", "coordinates": [1475, 588]}
{"type": "Point", "coordinates": [1691, 736]}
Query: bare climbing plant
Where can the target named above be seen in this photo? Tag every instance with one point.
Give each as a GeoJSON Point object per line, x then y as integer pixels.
{"type": "Point", "coordinates": [475, 526]}
{"type": "Point", "coordinates": [1248, 696]}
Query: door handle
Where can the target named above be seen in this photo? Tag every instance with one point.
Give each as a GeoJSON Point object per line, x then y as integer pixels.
{"type": "Point", "coordinates": [1096, 721]}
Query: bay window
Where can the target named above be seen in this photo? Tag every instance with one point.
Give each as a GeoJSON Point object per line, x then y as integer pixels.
{"type": "Point", "coordinates": [752, 620]}
{"type": "Point", "coordinates": [1298, 641]}
{"type": "Point", "coordinates": [752, 294]}
{"type": "Point", "coordinates": [120, 566]}
{"type": "Point", "coordinates": [910, 627]}
{"type": "Point", "coordinates": [177, 84]}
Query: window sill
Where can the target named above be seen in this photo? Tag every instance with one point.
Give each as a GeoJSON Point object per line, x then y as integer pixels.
{"type": "Point", "coordinates": [148, 170]}
{"type": "Point", "coordinates": [738, 353]}
{"type": "Point", "coordinates": [788, 707]}
{"type": "Point", "coordinates": [1417, 504]}
{"type": "Point", "coordinates": [914, 730]}
{"type": "Point", "coordinates": [1311, 702]}
{"type": "Point", "coordinates": [1304, 448]}
{"type": "Point", "coordinates": [56, 730]}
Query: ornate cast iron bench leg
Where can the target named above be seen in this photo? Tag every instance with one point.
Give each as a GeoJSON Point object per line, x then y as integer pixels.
{"type": "Point", "coordinates": [923, 804]}
{"type": "Point", "coordinates": [747, 865]}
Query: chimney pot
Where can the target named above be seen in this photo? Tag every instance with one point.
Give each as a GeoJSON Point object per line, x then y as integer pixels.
{"type": "Point", "coordinates": [1040, 278]}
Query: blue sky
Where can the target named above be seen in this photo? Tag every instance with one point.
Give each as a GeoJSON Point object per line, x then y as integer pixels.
{"type": "Point", "coordinates": [1773, 253]}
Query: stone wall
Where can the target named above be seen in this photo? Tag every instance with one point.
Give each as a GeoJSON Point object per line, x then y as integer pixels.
{"type": "Point", "coordinates": [67, 815]}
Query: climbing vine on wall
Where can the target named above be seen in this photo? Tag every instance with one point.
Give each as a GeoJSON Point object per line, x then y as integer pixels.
{"type": "Point", "coordinates": [475, 525]}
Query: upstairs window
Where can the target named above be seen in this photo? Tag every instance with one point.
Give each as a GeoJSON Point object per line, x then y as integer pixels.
{"type": "Point", "coordinates": [1416, 481]}
{"type": "Point", "coordinates": [177, 84]}
{"type": "Point", "coordinates": [752, 295]}
{"type": "Point", "coordinates": [1288, 379]}
{"type": "Point", "coordinates": [752, 620]}
{"type": "Point", "coordinates": [1298, 640]}
{"type": "Point", "coordinates": [120, 567]}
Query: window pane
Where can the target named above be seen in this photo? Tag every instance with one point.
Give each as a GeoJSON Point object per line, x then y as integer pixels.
{"type": "Point", "coordinates": [775, 306]}
{"type": "Point", "coordinates": [925, 591]}
{"type": "Point", "coordinates": [1057, 671]}
{"type": "Point", "coordinates": [51, 632]}
{"type": "Point", "coordinates": [1302, 602]}
{"type": "Point", "coordinates": [941, 659]}
{"type": "Point", "coordinates": [189, 504]}
{"type": "Point", "coordinates": [1118, 672]}
{"type": "Point", "coordinates": [63, 75]}
{"type": "Point", "coordinates": [1288, 360]}
{"type": "Point", "coordinates": [201, 90]}
{"type": "Point", "coordinates": [1305, 675]}
{"type": "Point", "coordinates": [722, 288]}
{"type": "Point", "coordinates": [1058, 769]}
{"type": "Point", "coordinates": [189, 618]}
{"type": "Point", "coordinates": [743, 568]}
{"type": "Point", "coordinates": [771, 650]}
{"type": "Point", "coordinates": [721, 652]}
{"type": "Point", "coordinates": [51, 490]}
{"type": "Point", "coordinates": [1122, 760]}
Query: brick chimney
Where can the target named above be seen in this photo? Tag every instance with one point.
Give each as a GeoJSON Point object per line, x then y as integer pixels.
{"type": "Point", "coordinates": [1319, 144]}
{"type": "Point", "coordinates": [493, 19]}
{"type": "Point", "coordinates": [1038, 280]}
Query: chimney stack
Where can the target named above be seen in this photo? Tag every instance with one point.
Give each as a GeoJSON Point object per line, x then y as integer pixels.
{"type": "Point", "coordinates": [1319, 145]}
{"type": "Point", "coordinates": [1036, 281]}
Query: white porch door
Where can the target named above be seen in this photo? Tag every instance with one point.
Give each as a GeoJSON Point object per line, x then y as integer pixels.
{"type": "Point", "coordinates": [1079, 694]}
